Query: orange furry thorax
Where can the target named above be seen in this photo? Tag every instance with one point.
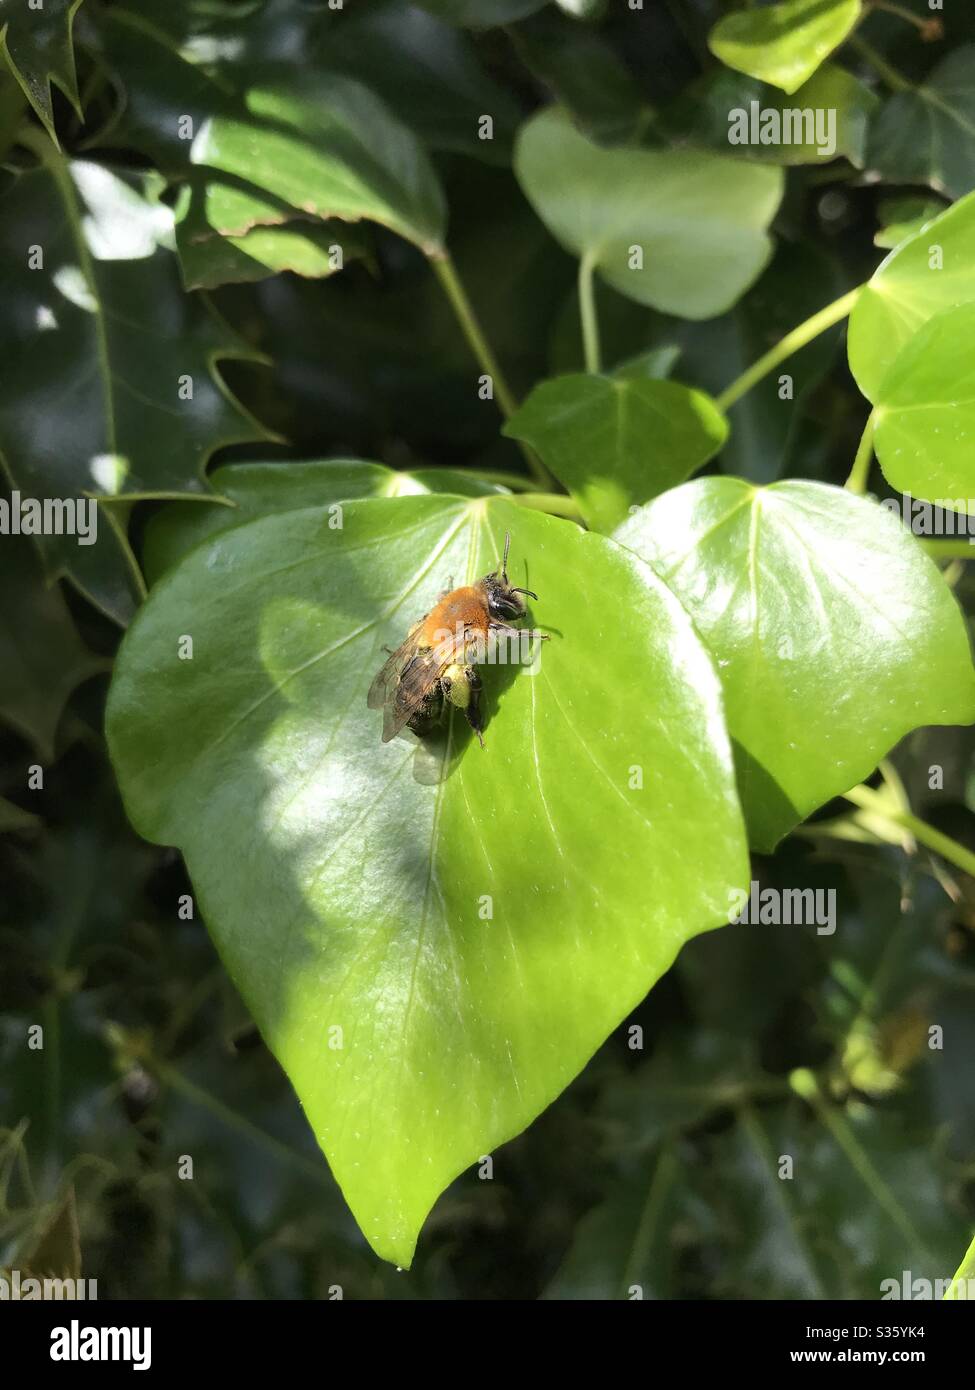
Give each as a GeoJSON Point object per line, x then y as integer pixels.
{"type": "Point", "coordinates": [466, 608]}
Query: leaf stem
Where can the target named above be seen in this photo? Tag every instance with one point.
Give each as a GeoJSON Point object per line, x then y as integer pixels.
{"type": "Point", "coordinates": [446, 273]}
{"type": "Point", "coordinates": [806, 1085]}
{"type": "Point", "coordinates": [924, 26]}
{"type": "Point", "coordinates": [588, 316]}
{"type": "Point", "coordinates": [860, 472]}
{"type": "Point", "coordinates": [925, 834]}
{"type": "Point", "coordinates": [792, 342]}
{"type": "Point", "coordinates": [557, 503]}
{"type": "Point", "coordinates": [888, 74]}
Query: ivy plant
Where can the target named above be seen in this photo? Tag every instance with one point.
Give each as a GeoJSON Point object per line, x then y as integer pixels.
{"type": "Point", "coordinates": [434, 938]}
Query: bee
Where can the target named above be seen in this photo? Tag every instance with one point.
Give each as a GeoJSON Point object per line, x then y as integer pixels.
{"type": "Point", "coordinates": [437, 664]}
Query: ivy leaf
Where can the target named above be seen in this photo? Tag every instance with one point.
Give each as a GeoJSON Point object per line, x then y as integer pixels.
{"type": "Point", "coordinates": [696, 222]}
{"type": "Point", "coordinates": [925, 414]}
{"type": "Point", "coordinates": [901, 218]}
{"type": "Point", "coordinates": [618, 441]}
{"type": "Point", "coordinates": [250, 490]}
{"type": "Point", "coordinates": [430, 937]}
{"type": "Point", "coordinates": [703, 114]}
{"type": "Point", "coordinates": [927, 135]}
{"type": "Point", "coordinates": [110, 388]}
{"type": "Point", "coordinates": [792, 587]}
{"type": "Point", "coordinates": [933, 270]}
{"type": "Point", "coordinates": [302, 142]}
{"type": "Point", "coordinates": [783, 44]}
{"type": "Point", "coordinates": [41, 655]}
{"type": "Point", "coordinates": [36, 44]}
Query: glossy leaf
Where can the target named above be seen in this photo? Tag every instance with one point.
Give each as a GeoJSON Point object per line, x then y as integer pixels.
{"type": "Point", "coordinates": [925, 414]}
{"type": "Point", "coordinates": [447, 908]}
{"type": "Point", "coordinates": [785, 43]}
{"type": "Point", "coordinates": [927, 134]}
{"type": "Point", "coordinates": [110, 388]}
{"type": "Point", "coordinates": [901, 218]}
{"type": "Point", "coordinates": [931, 271]}
{"type": "Point", "coordinates": [697, 222]}
{"type": "Point", "coordinates": [305, 141]}
{"type": "Point", "coordinates": [36, 43]}
{"type": "Point", "coordinates": [250, 490]}
{"type": "Point", "coordinates": [833, 632]}
{"type": "Point", "coordinates": [616, 442]}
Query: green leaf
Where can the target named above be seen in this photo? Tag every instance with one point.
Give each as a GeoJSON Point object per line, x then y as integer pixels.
{"type": "Point", "coordinates": [41, 655]}
{"type": "Point", "coordinates": [964, 1280]}
{"type": "Point", "coordinates": [925, 414]}
{"type": "Point", "coordinates": [616, 442]}
{"type": "Point", "coordinates": [303, 141]}
{"type": "Point", "coordinates": [795, 588]}
{"type": "Point", "coordinates": [698, 220]}
{"type": "Point", "coordinates": [901, 218]}
{"type": "Point", "coordinates": [584, 73]}
{"type": "Point", "coordinates": [36, 44]}
{"type": "Point", "coordinates": [783, 44]}
{"type": "Point", "coordinates": [210, 256]}
{"type": "Point", "coordinates": [260, 489]}
{"type": "Point", "coordinates": [927, 135]}
{"type": "Point", "coordinates": [448, 908]}
{"type": "Point", "coordinates": [707, 113]}
{"type": "Point", "coordinates": [933, 270]}
{"type": "Point", "coordinates": [104, 349]}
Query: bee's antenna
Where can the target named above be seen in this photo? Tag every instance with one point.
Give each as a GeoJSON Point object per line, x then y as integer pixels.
{"type": "Point", "coordinates": [504, 562]}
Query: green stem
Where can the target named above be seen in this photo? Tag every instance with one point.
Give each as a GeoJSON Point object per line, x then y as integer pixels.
{"type": "Point", "coordinates": [446, 273]}
{"type": "Point", "coordinates": [925, 834]}
{"type": "Point", "coordinates": [792, 342]}
{"type": "Point", "coordinates": [894, 80]}
{"type": "Point", "coordinates": [556, 503]}
{"type": "Point", "coordinates": [860, 472]}
{"type": "Point", "coordinates": [806, 1085]}
{"type": "Point", "coordinates": [588, 316]}
{"type": "Point", "coordinates": [907, 15]}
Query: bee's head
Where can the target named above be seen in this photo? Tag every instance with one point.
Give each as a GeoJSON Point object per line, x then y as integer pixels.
{"type": "Point", "coordinates": [503, 599]}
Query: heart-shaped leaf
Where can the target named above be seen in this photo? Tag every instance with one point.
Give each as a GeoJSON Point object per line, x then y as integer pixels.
{"type": "Point", "coordinates": [260, 489]}
{"type": "Point", "coordinates": [679, 230]}
{"type": "Point", "coordinates": [36, 42]}
{"type": "Point", "coordinates": [301, 141]}
{"type": "Point", "coordinates": [109, 389]}
{"type": "Point", "coordinates": [783, 44]}
{"type": "Point", "coordinates": [618, 441]}
{"type": "Point", "coordinates": [927, 134]}
{"type": "Point", "coordinates": [933, 270]}
{"type": "Point", "coordinates": [833, 632]}
{"type": "Point", "coordinates": [925, 414]}
{"type": "Point", "coordinates": [430, 937]}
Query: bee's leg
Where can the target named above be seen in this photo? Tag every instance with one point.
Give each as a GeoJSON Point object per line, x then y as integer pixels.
{"type": "Point", "coordinates": [449, 589]}
{"type": "Point", "coordinates": [473, 710]}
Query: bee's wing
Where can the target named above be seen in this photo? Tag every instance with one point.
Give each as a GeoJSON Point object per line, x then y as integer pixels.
{"type": "Point", "coordinates": [404, 684]}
